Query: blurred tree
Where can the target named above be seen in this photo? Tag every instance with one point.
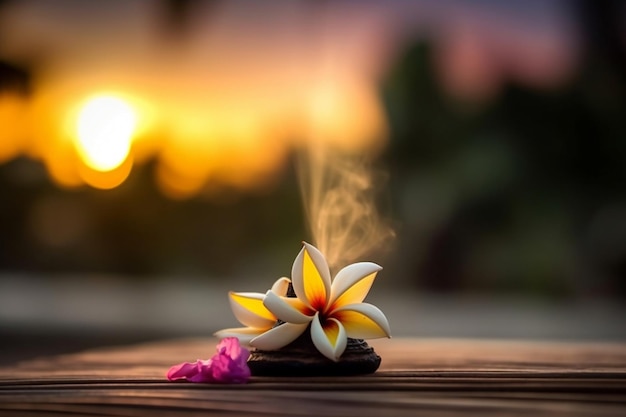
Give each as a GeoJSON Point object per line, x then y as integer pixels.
{"type": "Point", "coordinates": [500, 195]}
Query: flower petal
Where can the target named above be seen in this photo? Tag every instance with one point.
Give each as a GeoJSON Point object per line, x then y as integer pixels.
{"type": "Point", "coordinates": [329, 337]}
{"type": "Point", "coordinates": [227, 370]}
{"type": "Point", "coordinates": [281, 285]}
{"type": "Point", "coordinates": [230, 347]}
{"type": "Point", "coordinates": [182, 371]}
{"type": "Point", "coordinates": [248, 308]}
{"type": "Point", "coordinates": [287, 309]}
{"type": "Point", "coordinates": [279, 336]}
{"type": "Point", "coordinates": [229, 364]}
{"type": "Point", "coordinates": [203, 371]}
{"type": "Point", "coordinates": [363, 321]}
{"type": "Point", "coordinates": [244, 334]}
{"type": "Point", "coordinates": [310, 277]}
{"type": "Point", "coordinates": [352, 283]}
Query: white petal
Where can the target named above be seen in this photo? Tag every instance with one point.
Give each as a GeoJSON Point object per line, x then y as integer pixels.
{"type": "Point", "coordinates": [244, 334]}
{"type": "Point", "coordinates": [353, 282]}
{"type": "Point", "coordinates": [281, 285]}
{"type": "Point", "coordinates": [363, 321]}
{"type": "Point", "coordinates": [283, 310]}
{"type": "Point", "coordinates": [248, 308]}
{"type": "Point", "coordinates": [330, 339]}
{"type": "Point", "coordinates": [279, 336]}
{"type": "Point", "coordinates": [311, 283]}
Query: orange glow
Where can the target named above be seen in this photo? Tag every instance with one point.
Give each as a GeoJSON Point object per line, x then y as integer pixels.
{"type": "Point", "coordinates": [12, 125]}
{"type": "Point", "coordinates": [105, 180]}
{"type": "Point", "coordinates": [97, 141]}
{"type": "Point", "coordinates": [177, 182]}
{"type": "Point", "coordinates": [61, 163]}
{"type": "Point", "coordinates": [347, 114]}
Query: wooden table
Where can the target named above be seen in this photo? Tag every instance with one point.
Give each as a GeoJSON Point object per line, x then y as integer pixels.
{"type": "Point", "coordinates": [429, 377]}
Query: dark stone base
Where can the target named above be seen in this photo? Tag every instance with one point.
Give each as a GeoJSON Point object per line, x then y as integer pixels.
{"type": "Point", "coordinates": [301, 358]}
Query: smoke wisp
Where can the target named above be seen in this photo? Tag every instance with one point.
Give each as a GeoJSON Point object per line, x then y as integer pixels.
{"type": "Point", "coordinates": [340, 195]}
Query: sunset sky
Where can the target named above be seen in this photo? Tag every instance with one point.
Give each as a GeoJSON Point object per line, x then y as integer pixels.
{"type": "Point", "coordinates": [226, 98]}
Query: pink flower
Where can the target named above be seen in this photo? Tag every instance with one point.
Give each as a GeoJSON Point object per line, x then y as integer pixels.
{"type": "Point", "coordinates": [228, 366]}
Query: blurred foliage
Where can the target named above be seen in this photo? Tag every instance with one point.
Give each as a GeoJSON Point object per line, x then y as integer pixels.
{"type": "Point", "coordinates": [134, 230]}
{"type": "Point", "coordinates": [507, 194]}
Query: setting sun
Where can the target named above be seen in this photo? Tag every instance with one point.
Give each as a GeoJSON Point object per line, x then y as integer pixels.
{"type": "Point", "coordinates": [105, 127]}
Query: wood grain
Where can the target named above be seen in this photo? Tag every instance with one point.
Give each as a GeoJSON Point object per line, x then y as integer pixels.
{"type": "Point", "coordinates": [417, 377]}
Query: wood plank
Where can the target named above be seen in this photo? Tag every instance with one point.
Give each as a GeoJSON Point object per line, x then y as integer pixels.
{"type": "Point", "coordinates": [417, 377]}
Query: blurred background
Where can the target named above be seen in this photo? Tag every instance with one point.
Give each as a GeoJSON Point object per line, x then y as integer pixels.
{"type": "Point", "coordinates": [148, 151]}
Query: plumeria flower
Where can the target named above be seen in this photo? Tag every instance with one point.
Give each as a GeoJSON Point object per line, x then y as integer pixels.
{"type": "Point", "coordinates": [334, 311]}
{"type": "Point", "coordinates": [248, 308]}
{"type": "Point", "coordinates": [228, 366]}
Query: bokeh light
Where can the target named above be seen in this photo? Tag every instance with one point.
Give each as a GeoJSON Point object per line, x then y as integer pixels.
{"type": "Point", "coordinates": [105, 127]}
